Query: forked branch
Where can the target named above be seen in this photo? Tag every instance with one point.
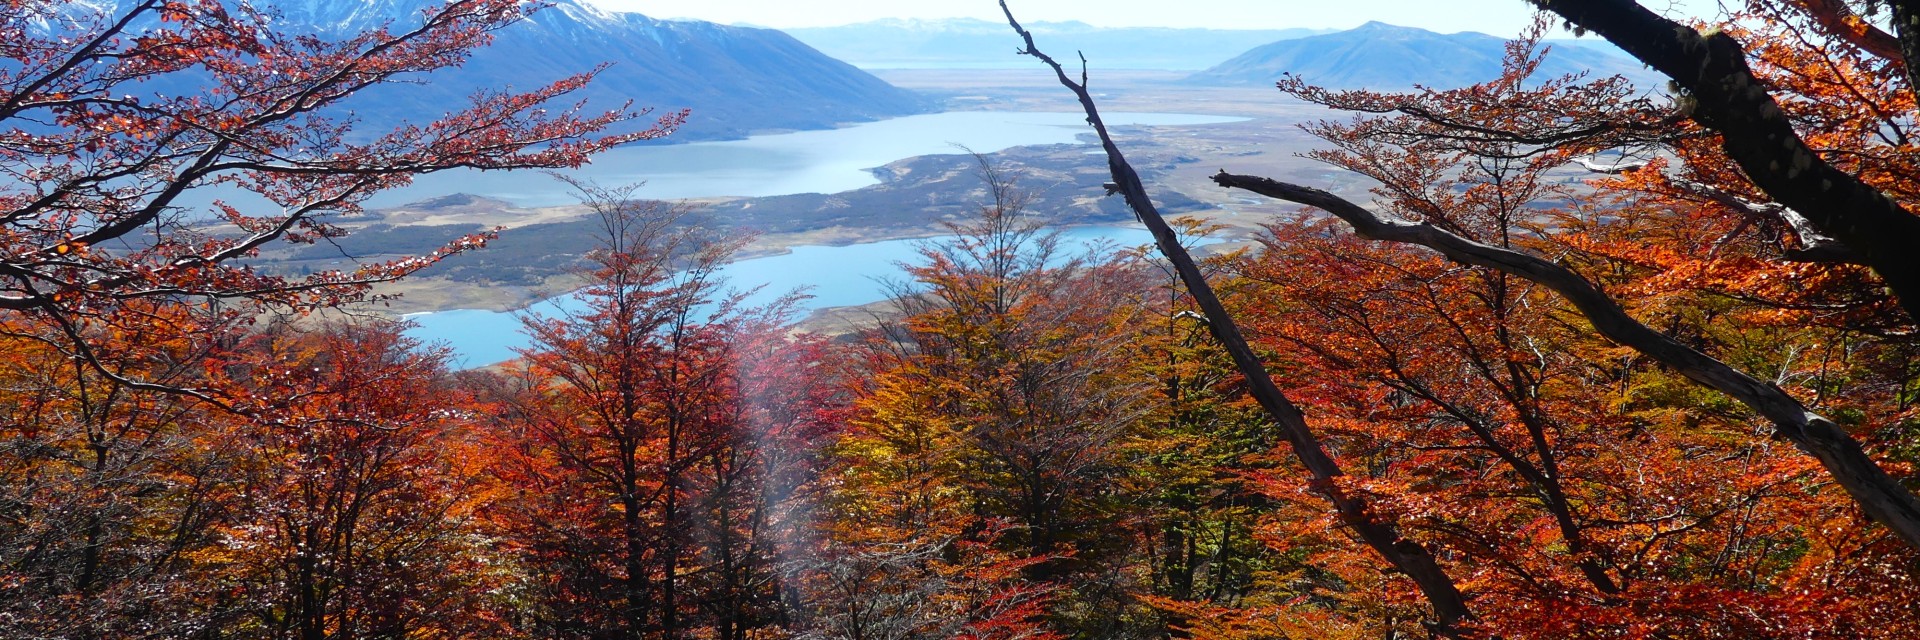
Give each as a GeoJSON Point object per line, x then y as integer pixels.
{"type": "Point", "coordinates": [1407, 556]}
{"type": "Point", "coordinates": [1882, 497]}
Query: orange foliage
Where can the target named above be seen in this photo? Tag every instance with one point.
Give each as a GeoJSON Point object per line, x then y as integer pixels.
{"type": "Point", "coordinates": [1577, 490]}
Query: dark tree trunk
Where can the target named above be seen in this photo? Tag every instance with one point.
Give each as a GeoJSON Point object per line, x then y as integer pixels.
{"type": "Point", "coordinates": [1726, 97]}
{"type": "Point", "coordinates": [1408, 556]}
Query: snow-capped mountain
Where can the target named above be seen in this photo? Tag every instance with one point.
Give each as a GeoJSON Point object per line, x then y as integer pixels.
{"type": "Point", "coordinates": [735, 79]}
{"type": "Point", "coordinates": [344, 16]}
{"type": "Point", "coordinates": [969, 43]}
{"type": "Point", "coordinates": [1383, 56]}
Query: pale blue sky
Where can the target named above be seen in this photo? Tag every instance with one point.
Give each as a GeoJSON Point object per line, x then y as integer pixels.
{"type": "Point", "coordinates": [1498, 17]}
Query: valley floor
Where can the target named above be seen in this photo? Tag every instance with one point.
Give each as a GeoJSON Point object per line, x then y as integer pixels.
{"type": "Point", "coordinates": [1177, 160]}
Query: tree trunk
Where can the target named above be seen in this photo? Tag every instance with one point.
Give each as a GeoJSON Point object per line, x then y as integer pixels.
{"type": "Point", "coordinates": [1409, 557]}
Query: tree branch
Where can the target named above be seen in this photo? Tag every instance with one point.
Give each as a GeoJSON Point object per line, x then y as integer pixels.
{"type": "Point", "coordinates": [1814, 247]}
{"type": "Point", "coordinates": [1726, 97]}
{"type": "Point", "coordinates": [1412, 559]}
{"type": "Point", "coordinates": [1882, 497]}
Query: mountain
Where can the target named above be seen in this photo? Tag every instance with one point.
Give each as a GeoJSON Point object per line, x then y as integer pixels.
{"type": "Point", "coordinates": [1387, 57]}
{"type": "Point", "coordinates": [980, 44]}
{"type": "Point", "coordinates": [736, 79]}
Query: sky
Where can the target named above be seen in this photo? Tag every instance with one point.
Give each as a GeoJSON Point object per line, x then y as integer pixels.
{"type": "Point", "coordinates": [1497, 17]}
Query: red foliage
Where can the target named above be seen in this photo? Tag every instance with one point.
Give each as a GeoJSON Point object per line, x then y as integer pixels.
{"type": "Point", "coordinates": [97, 209]}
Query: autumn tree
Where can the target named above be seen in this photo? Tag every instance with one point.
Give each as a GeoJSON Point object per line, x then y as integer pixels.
{"type": "Point", "coordinates": [1496, 126]}
{"type": "Point", "coordinates": [1470, 382]}
{"type": "Point", "coordinates": [108, 493]}
{"type": "Point", "coordinates": [1381, 532]}
{"type": "Point", "coordinates": [337, 509]}
{"type": "Point", "coordinates": [1189, 465]}
{"type": "Point", "coordinates": [104, 170]}
{"type": "Point", "coordinates": [760, 491]}
{"type": "Point", "coordinates": [1536, 126]}
{"type": "Point", "coordinates": [123, 297]}
{"type": "Point", "coordinates": [1002, 394]}
{"type": "Point", "coordinates": [618, 403]}
{"type": "Point", "coordinates": [925, 588]}
{"type": "Point", "coordinates": [350, 508]}
{"type": "Point", "coordinates": [1761, 117]}
{"type": "Point", "coordinates": [653, 494]}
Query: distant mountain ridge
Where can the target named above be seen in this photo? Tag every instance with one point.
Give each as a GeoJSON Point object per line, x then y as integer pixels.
{"type": "Point", "coordinates": [969, 43]}
{"type": "Point", "coordinates": [1387, 57]}
{"type": "Point", "coordinates": [736, 80]}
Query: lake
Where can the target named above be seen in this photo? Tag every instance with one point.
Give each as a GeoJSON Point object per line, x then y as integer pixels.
{"type": "Point", "coordinates": [833, 276]}
{"type": "Point", "coordinates": [828, 161]}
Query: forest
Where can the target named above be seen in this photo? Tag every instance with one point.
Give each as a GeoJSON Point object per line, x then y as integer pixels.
{"type": "Point", "coordinates": [1592, 363]}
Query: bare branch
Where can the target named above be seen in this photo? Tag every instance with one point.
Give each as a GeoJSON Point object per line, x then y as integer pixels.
{"type": "Point", "coordinates": [1409, 557]}
{"type": "Point", "coordinates": [1814, 246]}
{"type": "Point", "coordinates": [1617, 168]}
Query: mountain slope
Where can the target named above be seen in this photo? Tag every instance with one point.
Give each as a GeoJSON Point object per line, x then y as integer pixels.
{"type": "Point", "coordinates": [1387, 57]}
{"type": "Point", "coordinates": [968, 43]}
{"type": "Point", "coordinates": [736, 79]}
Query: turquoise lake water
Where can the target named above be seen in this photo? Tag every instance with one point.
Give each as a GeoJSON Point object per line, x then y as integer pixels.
{"type": "Point", "coordinates": [803, 162]}
{"type": "Point", "coordinates": [832, 276]}
{"type": "Point", "coordinates": [826, 161]}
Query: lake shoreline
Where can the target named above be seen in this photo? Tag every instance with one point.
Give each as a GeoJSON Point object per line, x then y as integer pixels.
{"type": "Point", "coordinates": [854, 278]}
{"type": "Point", "coordinates": [911, 197]}
{"type": "Point", "coordinates": [771, 251]}
{"type": "Point", "coordinates": [820, 161]}
{"type": "Point", "coordinates": [523, 300]}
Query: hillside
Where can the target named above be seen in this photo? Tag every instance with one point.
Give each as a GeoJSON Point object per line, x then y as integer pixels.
{"type": "Point", "coordinates": [736, 79]}
{"type": "Point", "coordinates": [1383, 56]}
{"type": "Point", "coordinates": [980, 44]}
